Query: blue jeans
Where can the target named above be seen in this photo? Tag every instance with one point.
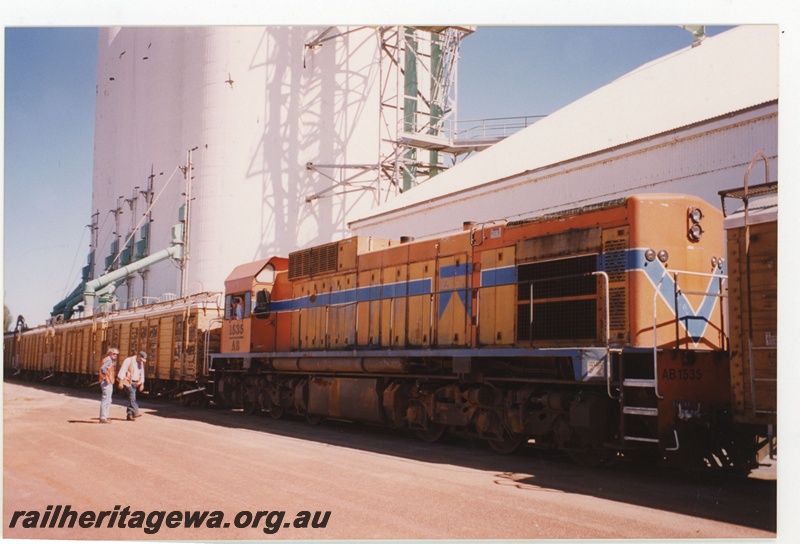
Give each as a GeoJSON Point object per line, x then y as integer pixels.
{"type": "Point", "coordinates": [133, 408]}
{"type": "Point", "coordinates": [105, 398]}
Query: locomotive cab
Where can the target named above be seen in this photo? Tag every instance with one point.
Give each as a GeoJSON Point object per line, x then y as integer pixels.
{"type": "Point", "coordinates": [249, 322]}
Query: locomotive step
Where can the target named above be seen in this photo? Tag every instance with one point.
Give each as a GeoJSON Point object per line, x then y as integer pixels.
{"type": "Point", "coordinates": [639, 411]}
{"type": "Point", "coordinates": [641, 439]}
{"type": "Point", "coordinates": [630, 382]}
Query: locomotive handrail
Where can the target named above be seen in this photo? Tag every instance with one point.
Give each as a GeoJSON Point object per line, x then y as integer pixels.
{"type": "Point", "coordinates": [720, 294]}
{"type": "Point", "coordinates": [482, 228]}
{"type": "Point", "coordinates": [655, 333]}
{"type": "Point", "coordinates": [206, 366]}
{"type": "Point", "coordinates": [325, 343]}
{"type": "Point", "coordinates": [677, 442]}
{"type": "Point", "coordinates": [695, 273]}
{"type": "Point", "coordinates": [608, 365]}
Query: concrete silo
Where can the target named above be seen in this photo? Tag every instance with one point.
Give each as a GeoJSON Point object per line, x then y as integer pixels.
{"type": "Point", "coordinates": [290, 132]}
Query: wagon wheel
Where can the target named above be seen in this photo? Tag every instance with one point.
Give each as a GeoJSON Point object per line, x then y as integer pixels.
{"type": "Point", "coordinates": [433, 433]}
{"type": "Point", "coordinates": [509, 443]}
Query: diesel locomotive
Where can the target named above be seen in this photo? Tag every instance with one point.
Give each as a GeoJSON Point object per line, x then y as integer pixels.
{"type": "Point", "coordinates": [599, 331]}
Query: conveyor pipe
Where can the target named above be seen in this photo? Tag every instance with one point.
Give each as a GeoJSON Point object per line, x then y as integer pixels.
{"type": "Point", "coordinates": [91, 288]}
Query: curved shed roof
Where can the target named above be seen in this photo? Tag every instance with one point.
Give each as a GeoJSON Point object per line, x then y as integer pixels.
{"type": "Point", "coordinates": [725, 73]}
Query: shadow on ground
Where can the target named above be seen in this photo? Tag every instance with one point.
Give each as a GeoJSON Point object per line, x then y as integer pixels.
{"type": "Point", "coordinates": [748, 502]}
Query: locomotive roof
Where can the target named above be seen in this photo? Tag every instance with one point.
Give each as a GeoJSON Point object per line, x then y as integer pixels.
{"type": "Point", "coordinates": [243, 276]}
{"type": "Point", "coordinates": [570, 212]}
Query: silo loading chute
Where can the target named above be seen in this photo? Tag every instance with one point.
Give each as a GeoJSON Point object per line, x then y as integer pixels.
{"type": "Point", "coordinates": [107, 283]}
{"type": "Point", "coordinates": [92, 288]}
{"type": "Point", "coordinates": [87, 291]}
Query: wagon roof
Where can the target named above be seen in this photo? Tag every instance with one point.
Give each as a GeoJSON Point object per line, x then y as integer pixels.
{"type": "Point", "coordinates": [760, 210]}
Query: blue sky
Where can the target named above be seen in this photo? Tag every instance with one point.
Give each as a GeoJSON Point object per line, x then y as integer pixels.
{"type": "Point", "coordinates": [49, 144]}
{"type": "Point", "coordinates": [535, 70]}
{"type": "Point", "coordinates": [49, 126]}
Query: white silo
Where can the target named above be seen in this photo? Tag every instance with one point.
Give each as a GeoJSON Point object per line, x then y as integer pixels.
{"type": "Point", "coordinates": [292, 130]}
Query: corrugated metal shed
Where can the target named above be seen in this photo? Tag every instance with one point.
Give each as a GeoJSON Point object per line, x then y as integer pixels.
{"type": "Point", "coordinates": [671, 119]}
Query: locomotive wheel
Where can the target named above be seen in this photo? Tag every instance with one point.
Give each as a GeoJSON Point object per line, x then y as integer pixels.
{"type": "Point", "coordinates": [276, 411]}
{"type": "Point", "coordinates": [249, 407]}
{"type": "Point", "coordinates": [508, 444]}
{"type": "Point", "coordinates": [433, 433]}
{"type": "Point", "coordinates": [313, 419]}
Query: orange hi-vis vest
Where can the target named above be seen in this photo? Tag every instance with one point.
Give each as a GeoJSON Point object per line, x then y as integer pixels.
{"type": "Point", "coordinates": [128, 375]}
{"type": "Point", "coordinates": [110, 376]}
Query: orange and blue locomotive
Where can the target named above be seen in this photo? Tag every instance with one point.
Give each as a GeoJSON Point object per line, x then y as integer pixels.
{"type": "Point", "coordinates": [614, 329]}
{"type": "Point", "coordinates": [598, 331]}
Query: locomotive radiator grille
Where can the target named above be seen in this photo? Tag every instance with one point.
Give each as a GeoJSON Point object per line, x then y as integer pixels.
{"type": "Point", "coordinates": [564, 297]}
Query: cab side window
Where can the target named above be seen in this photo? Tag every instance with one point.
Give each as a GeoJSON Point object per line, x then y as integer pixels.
{"type": "Point", "coordinates": [262, 304]}
{"type": "Point", "coordinates": [237, 306]}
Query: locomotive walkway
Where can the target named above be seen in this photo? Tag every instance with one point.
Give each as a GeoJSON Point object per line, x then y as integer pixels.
{"type": "Point", "coordinates": [376, 484]}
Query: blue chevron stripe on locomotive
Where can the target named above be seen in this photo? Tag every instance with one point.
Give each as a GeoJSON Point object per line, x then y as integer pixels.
{"type": "Point", "coordinates": [453, 281]}
{"type": "Point", "coordinates": [694, 321]}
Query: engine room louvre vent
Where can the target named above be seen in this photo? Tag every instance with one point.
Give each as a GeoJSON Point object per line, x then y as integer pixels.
{"type": "Point", "coordinates": [313, 261]}
{"type": "Point", "coordinates": [618, 308]}
{"type": "Point", "coordinates": [299, 264]}
{"type": "Point", "coordinates": [615, 263]}
{"type": "Point", "coordinates": [615, 259]}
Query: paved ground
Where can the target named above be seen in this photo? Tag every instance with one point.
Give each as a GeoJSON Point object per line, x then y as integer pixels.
{"type": "Point", "coordinates": [375, 484]}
